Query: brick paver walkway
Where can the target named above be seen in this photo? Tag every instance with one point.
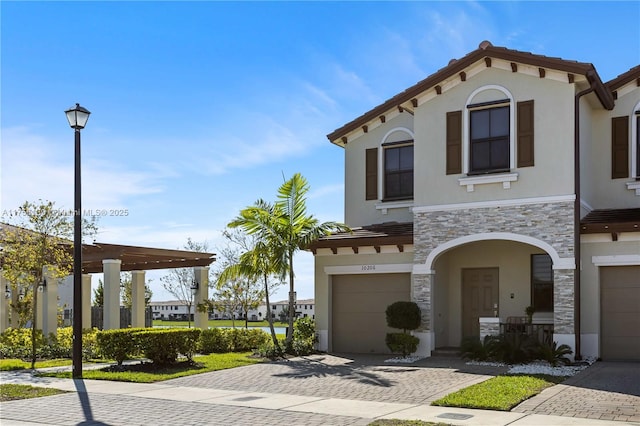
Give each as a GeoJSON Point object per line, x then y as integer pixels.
{"type": "Point", "coordinates": [604, 391]}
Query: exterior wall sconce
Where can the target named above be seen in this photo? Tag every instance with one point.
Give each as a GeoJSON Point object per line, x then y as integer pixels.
{"type": "Point", "coordinates": [42, 285]}
{"type": "Point", "coordinates": [7, 292]}
{"type": "Point", "coordinates": [194, 286]}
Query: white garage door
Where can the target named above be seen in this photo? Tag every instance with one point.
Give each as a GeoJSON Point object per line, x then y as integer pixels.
{"type": "Point", "coordinates": [620, 313]}
{"type": "Point", "coordinates": [359, 302]}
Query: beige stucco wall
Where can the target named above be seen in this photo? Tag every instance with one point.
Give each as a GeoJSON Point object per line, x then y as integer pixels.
{"type": "Point", "coordinates": [513, 261]}
{"type": "Point", "coordinates": [553, 172]}
{"type": "Point", "coordinates": [610, 193]}
{"type": "Point", "coordinates": [600, 245]}
{"type": "Point", "coordinates": [359, 211]}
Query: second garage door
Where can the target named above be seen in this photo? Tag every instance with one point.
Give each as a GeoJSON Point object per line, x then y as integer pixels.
{"type": "Point", "coordinates": [359, 303]}
{"type": "Point", "coordinates": [620, 313]}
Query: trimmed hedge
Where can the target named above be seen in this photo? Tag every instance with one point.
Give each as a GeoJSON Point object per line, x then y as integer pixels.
{"type": "Point", "coordinates": [163, 346]}
{"type": "Point", "coordinates": [160, 346]}
{"type": "Point", "coordinates": [16, 343]}
{"type": "Point", "coordinates": [118, 344]}
{"type": "Point", "coordinates": [221, 340]}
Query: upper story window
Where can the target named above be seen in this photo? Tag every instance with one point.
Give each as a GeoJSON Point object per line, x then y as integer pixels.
{"type": "Point", "coordinates": [398, 170]}
{"type": "Point", "coordinates": [489, 140]}
{"type": "Point", "coordinates": [389, 167]}
{"type": "Point", "coordinates": [492, 136]}
{"type": "Point", "coordinates": [625, 148]}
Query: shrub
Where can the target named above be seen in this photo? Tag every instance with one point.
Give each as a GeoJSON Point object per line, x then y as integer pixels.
{"type": "Point", "coordinates": [163, 346]}
{"type": "Point", "coordinates": [118, 344]}
{"type": "Point", "coordinates": [554, 354]}
{"type": "Point", "coordinates": [16, 343]}
{"type": "Point", "coordinates": [475, 349]}
{"type": "Point", "coordinates": [402, 343]}
{"type": "Point", "coordinates": [269, 350]}
{"type": "Point", "coordinates": [515, 349]}
{"type": "Point", "coordinates": [403, 315]}
{"type": "Point", "coordinates": [214, 340]}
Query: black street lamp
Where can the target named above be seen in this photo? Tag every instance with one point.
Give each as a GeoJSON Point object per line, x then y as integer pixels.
{"type": "Point", "coordinates": [77, 117]}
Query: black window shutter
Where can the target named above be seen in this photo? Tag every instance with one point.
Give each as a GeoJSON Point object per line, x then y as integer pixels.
{"type": "Point", "coordinates": [454, 142]}
{"type": "Point", "coordinates": [371, 178]}
{"type": "Point", "coordinates": [619, 147]}
{"type": "Point", "coordinates": [525, 133]}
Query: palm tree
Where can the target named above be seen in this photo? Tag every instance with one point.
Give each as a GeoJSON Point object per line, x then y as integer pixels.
{"type": "Point", "coordinates": [255, 264]}
{"type": "Point", "coordinates": [285, 227]}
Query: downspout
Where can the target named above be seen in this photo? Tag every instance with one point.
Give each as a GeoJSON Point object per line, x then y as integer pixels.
{"type": "Point", "coordinates": [576, 218]}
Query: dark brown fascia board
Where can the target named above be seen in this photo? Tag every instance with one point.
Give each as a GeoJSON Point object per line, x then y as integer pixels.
{"type": "Point", "coordinates": [92, 267]}
{"type": "Point", "coordinates": [606, 228]}
{"type": "Point", "coordinates": [361, 242]}
{"type": "Point", "coordinates": [622, 79]}
{"type": "Point", "coordinates": [455, 67]}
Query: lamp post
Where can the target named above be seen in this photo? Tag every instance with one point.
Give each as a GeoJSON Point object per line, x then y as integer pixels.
{"type": "Point", "coordinates": [77, 117]}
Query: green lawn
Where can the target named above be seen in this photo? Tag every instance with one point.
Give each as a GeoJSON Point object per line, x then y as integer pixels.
{"type": "Point", "coordinates": [148, 373]}
{"type": "Point", "coordinates": [500, 393]}
{"type": "Point", "coordinates": [219, 323]}
{"type": "Point", "coordinates": [10, 392]}
{"type": "Point", "coordinates": [10, 364]}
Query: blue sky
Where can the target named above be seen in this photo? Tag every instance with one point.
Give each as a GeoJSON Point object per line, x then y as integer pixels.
{"type": "Point", "coordinates": [200, 108]}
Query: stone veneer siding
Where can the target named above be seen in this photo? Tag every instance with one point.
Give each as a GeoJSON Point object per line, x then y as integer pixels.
{"type": "Point", "coordinates": [548, 222]}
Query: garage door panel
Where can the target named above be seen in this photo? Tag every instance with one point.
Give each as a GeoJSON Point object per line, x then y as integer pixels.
{"type": "Point", "coordinates": [620, 313]}
{"type": "Point", "coordinates": [621, 299]}
{"type": "Point", "coordinates": [358, 309]}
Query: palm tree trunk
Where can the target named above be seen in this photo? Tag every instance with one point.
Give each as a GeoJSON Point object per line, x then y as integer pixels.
{"type": "Point", "coordinates": [292, 308]}
{"type": "Point", "coordinates": [269, 315]}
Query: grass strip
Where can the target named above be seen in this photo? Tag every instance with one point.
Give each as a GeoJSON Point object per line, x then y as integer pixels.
{"type": "Point", "coordinates": [149, 373]}
{"type": "Point", "coordinates": [500, 393]}
{"type": "Point", "coordinates": [12, 364]}
{"type": "Point", "coordinates": [11, 392]}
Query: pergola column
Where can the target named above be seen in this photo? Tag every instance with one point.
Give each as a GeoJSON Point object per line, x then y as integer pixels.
{"type": "Point", "coordinates": [4, 305]}
{"type": "Point", "coordinates": [49, 302]}
{"type": "Point", "coordinates": [201, 293]}
{"type": "Point", "coordinates": [86, 301]}
{"type": "Point", "coordinates": [137, 299]}
{"type": "Point", "coordinates": [111, 313]}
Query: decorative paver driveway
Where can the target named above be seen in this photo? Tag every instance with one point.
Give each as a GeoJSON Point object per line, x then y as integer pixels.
{"type": "Point", "coordinates": [604, 391]}
{"type": "Point", "coordinates": [354, 377]}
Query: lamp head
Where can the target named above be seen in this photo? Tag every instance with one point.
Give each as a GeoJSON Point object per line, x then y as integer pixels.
{"type": "Point", "coordinates": [77, 117]}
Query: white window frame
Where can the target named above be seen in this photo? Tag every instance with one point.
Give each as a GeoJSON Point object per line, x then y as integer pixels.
{"type": "Point", "coordinates": [634, 141]}
{"type": "Point", "coordinates": [466, 119]}
{"type": "Point", "coordinates": [381, 165]}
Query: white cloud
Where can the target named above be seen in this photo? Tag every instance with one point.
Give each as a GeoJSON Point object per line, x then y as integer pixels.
{"type": "Point", "coordinates": [33, 168]}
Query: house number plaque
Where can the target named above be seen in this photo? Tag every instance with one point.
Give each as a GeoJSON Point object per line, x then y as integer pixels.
{"type": "Point", "coordinates": [368, 267]}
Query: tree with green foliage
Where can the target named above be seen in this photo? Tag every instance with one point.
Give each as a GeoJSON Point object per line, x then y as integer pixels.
{"type": "Point", "coordinates": [42, 237]}
{"type": "Point", "coordinates": [405, 316]}
{"type": "Point", "coordinates": [179, 281]}
{"type": "Point", "coordinates": [126, 294]}
{"type": "Point", "coordinates": [98, 294]}
{"type": "Point", "coordinates": [254, 264]}
{"type": "Point", "coordinates": [285, 228]}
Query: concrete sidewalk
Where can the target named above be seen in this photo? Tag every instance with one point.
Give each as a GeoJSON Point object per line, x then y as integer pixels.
{"type": "Point", "coordinates": [93, 402]}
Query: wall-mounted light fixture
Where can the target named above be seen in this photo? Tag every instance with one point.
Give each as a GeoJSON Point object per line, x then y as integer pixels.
{"type": "Point", "coordinates": [194, 286]}
{"type": "Point", "coordinates": [7, 292]}
{"type": "Point", "coordinates": [42, 285]}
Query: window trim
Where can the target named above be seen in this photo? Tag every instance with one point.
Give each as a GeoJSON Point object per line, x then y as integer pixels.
{"type": "Point", "coordinates": [386, 147]}
{"type": "Point", "coordinates": [466, 120]}
{"type": "Point", "coordinates": [385, 144]}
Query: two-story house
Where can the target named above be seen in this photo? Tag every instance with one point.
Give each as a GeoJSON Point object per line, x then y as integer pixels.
{"type": "Point", "coordinates": [504, 180]}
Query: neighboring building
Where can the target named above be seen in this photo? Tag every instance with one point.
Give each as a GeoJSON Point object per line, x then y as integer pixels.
{"type": "Point", "coordinates": [475, 193]}
{"type": "Point", "coordinates": [177, 310]}
{"type": "Point", "coordinates": [172, 310]}
{"type": "Point", "coordinates": [304, 308]}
